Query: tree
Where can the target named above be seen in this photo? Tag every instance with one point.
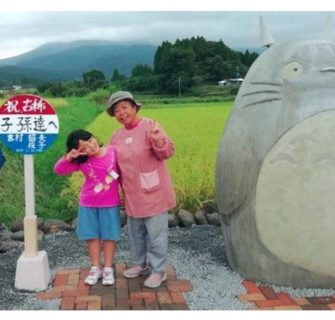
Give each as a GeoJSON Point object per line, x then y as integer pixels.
{"type": "Point", "coordinates": [141, 70]}
{"type": "Point", "coordinates": [166, 46]}
{"type": "Point", "coordinates": [116, 76]}
{"type": "Point", "coordinates": [43, 87]}
{"type": "Point", "coordinates": [92, 76]}
{"type": "Point", "coordinates": [213, 68]}
{"type": "Point", "coordinates": [173, 63]}
{"type": "Point", "coordinates": [195, 60]}
{"type": "Point", "coordinates": [57, 90]}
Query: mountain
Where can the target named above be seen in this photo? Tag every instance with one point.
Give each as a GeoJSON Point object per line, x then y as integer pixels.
{"type": "Point", "coordinates": [13, 75]}
{"type": "Point", "coordinates": [257, 50]}
{"type": "Point", "coordinates": [68, 61]}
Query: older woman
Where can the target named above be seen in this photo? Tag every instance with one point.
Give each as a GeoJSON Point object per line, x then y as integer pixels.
{"type": "Point", "coordinates": [141, 147]}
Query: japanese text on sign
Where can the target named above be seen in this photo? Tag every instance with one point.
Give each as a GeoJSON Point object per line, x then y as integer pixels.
{"type": "Point", "coordinates": [28, 124]}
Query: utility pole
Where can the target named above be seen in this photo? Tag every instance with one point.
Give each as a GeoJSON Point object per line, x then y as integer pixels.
{"type": "Point", "coordinates": [179, 85]}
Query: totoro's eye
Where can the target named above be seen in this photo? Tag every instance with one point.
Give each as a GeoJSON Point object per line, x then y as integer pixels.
{"type": "Point", "coordinates": [291, 70]}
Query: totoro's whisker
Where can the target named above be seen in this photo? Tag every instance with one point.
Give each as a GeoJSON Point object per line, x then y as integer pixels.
{"type": "Point", "coordinates": [328, 69]}
{"type": "Point", "coordinates": [260, 92]}
{"type": "Point", "coordinates": [266, 83]}
{"type": "Point", "coordinates": [260, 102]}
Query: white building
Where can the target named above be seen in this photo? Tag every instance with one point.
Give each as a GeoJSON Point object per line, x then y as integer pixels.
{"type": "Point", "coordinates": [236, 81]}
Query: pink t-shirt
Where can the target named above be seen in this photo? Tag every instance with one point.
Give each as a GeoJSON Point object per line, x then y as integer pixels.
{"type": "Point", "coordinates": [101, 186]}
{"type": "Point", "coordinates": [144, 175]}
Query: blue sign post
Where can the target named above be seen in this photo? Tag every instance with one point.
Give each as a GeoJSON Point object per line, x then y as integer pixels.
{"type": "Point", "coordinates": [29, 125]}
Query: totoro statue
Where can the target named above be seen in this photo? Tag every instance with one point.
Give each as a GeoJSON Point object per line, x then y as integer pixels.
{"type": "Point", "coordinates": [275, 171]}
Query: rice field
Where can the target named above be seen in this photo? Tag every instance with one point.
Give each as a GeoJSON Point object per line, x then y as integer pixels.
{"type": "Point", "coordinates": [196, 130]}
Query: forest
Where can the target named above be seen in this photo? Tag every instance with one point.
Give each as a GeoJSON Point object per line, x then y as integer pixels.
{"type": "Point", "coordinates": [182, 65]}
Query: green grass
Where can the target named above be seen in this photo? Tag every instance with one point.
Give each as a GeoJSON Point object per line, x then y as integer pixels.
{"type": "Point", "coordinates": [78, 113]}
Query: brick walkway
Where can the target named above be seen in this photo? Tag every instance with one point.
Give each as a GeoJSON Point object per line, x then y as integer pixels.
{"type": "Point", "coordinates": [126, 294]}
{"type": "Point", "coordinates": [130, 294]}
{"type": "Point", "coordinates": [265, 298]}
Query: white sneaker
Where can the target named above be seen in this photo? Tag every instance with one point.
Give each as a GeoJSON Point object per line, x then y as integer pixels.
{"type": "Point", "coordinates": [108, 277]}
{"type": "Point", "coordinates": [94, 275]}
{"type": "Point", "coordinates": [155, 280]}
{"type": "Point", "coordinates": [135, 271]}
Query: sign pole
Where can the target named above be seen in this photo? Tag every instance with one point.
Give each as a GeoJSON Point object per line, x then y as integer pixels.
{"type": "Point", "coordinates": [32, 269]}
{"type": "Point", "coordinates": [29, 125]}
{"type": "Point", "coordinates": [30, 220]}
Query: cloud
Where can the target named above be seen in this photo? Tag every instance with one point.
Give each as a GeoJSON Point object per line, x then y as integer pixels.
{"type": "Point", "coordinates": [23, 31]}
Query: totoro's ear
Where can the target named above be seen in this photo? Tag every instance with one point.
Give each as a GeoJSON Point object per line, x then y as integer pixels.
{"type": "Point", "coordinates": [328, 28]}
{"type": "Point", "coordinates": [266, 37]}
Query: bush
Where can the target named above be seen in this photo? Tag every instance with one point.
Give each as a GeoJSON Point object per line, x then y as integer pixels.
{"type": "Point", "coordinates": [100, 96]}
{"type": "Point", "coordinates": [78, 92]}
{"type": "Point", "coordinates": [234, 90]}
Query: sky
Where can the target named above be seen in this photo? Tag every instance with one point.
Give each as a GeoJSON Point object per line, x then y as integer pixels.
{"type": "Point", "coordinates": [238, 26]}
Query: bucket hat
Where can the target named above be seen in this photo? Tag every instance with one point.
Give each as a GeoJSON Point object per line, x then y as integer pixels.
{"type": "Point", "coordinates": [117, 97]}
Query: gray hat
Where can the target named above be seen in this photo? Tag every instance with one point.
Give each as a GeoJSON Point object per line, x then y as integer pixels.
{"type": "Point", "coordinates": [117, 97]}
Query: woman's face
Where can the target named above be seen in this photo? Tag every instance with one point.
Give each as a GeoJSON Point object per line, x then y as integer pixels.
{"type": "Point", "coordinates": [125, 113]}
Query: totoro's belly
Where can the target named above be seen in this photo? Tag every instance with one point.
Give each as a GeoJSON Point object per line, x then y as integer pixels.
{"type": "Point", "coordinates": [295, 195]}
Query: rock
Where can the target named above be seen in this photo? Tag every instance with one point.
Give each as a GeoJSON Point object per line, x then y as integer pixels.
{"type": "Point", "coordinates": [5, 234]}
{"type": "Point", "coordinates": [209, 206]}
{"type": "Point", "coordinates": [7, 245]}
{"type": "Point", "coordinates": [173, 220]}
{"type": "Point", "coordinates": [54, 225]}
{"type": "Point", "coordinates": [214, 219]}
{"type": "Point", "coordinates": [200, 217]}
{"type": "Point", "coordinates": [186, 218]}
{"type": "Point", "coordinates": [74, 223]}
{"type": "Point", "coordinates": [40, 235]}
{"type": "Point", "coordinates": [40, 224]}
{"type": "Point", "coordinates": [18, 225]}
{"type": "Point", "coordinates": [18, 236]}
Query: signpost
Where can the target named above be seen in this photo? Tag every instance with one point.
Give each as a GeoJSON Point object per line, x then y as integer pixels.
{"type": "Point", "coordinates": [29, 125]}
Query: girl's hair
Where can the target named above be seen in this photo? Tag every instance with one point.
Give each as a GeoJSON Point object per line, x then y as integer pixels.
{"type": "Point", "coordinates": [73, 142]}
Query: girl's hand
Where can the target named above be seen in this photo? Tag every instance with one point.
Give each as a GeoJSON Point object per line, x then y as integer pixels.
{"type": "Point", "coordinates": [74, 154]}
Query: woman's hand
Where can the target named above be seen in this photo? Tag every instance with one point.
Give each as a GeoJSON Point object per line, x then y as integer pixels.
{"type": "Point", "coordinates": [155, 135]}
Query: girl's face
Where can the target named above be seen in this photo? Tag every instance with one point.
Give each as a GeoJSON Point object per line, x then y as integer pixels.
{"type": "Point", "coordinates": [125, 113]}
{"type": "Point", "coordinates": [90, 147]}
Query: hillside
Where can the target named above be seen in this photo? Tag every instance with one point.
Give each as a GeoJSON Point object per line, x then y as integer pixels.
{"type": "Point", "coordinates": [13, 75]}
{"type": "Point", "coordinates": [68, 61]}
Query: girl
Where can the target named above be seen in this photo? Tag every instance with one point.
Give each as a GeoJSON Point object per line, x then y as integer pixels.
{"type": "Point", "coordinates": [98, 214]}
